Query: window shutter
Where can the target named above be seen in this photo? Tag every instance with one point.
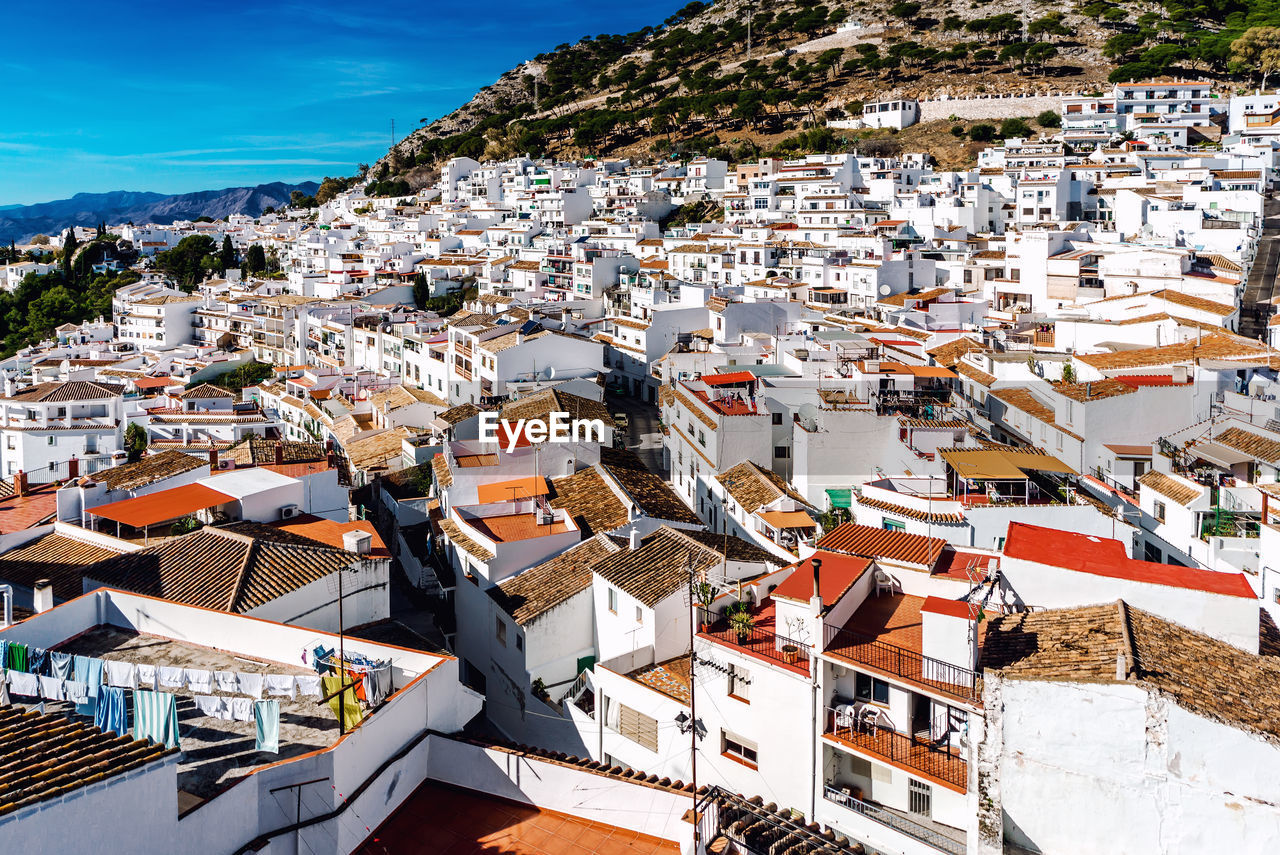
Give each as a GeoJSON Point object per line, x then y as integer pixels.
{"type": "Point", "coordinates": [638, 727]}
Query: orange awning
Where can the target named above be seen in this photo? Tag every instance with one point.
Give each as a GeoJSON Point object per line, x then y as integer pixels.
{"type": "Point", "coordinates": [509, 491]}
{"type": "Point", "coordinates": [788, 519]}
{"type": "Point", "coordinates": [162, 506]}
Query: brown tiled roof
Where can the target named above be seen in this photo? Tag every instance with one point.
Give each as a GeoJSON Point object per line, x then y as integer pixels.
{"type": "Point", "coordinates": [55, 557]}
{"type": "Point", "coordinates": [753, 486]}
{"type": "Point", "coordinates": [661, 565]}
{"type": "Point", "coordinates": [671, 678]}
{"type": "Point", "coordinates": [440, 468]}
{"type": "Point", "coordinates": [911, 513]}
{"type": "Point", "coordinates": [404, 396]}
{"type": "Point", "coordinates": [1255, 445]}
{"type": "Point", "coordinates": [1090, 391]}
{"type": "Point", "coordinates": [234, 569]}
{"type": "Point", "coordinates": [698, 413]}
{"type": "Point", "coordinates": [260, 451]}
{"type": "Point", "coordinates": [587, 498]}
{"type": "Point", "coordinates": [460, 413]}
{"type": "Point", "coordinates": [75, 390]}
{"type": "Point", "coordinates": [650, 492]}
{"type": "Point", "coordinates": [148, 470]}
{"type": "Point", "coordinates": [461, 541]}
{"type": "Point", "coordinates": [1084, 644]}
{"type": "Point", "coordinates": [1192, 302]}
{"type": "Point", "coordinates": [377, 450]}
{"type": "Point", "coordinates": [47, 756]}
{"type": "Point", "coordinates": [542, 588]}
{"type": "Point", "coordinates": [1212, 346]}
{"type": "Point", "coordinates": [947, 355]}
{"type": "Point", "coordinates": [869, 542]}
{"type": "Point", "coordinates": [903, 298]}
{"type": "Point", "coordinates": [1170, 488]}
{"type": "Point", "coordinates": [540, 405]}
{"type": "Point", "coordinates": [1021, 398]}
{"type": "Point", "coordinates": [976, 374]}
{"type": "Point", "coordinates": [206, 390]}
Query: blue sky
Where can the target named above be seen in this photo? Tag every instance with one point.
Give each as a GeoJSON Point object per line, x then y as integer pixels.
{"type": "Point", "coordinates": [176, 97]}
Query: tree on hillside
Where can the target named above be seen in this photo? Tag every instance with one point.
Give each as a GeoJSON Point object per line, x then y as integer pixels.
{"type": "Point", "coordinates": [1257, 51]}
{"type": "Point", "coordinates": [190, 260]}
{"type": "Point", "coordinates": [255, 260]}
{"type": "Point", "coordinates": [135, 441]}
{"type": "Point", "coordinates": [421, 291]}
{"type": "Point", "coordinates": [227, 255]}
{"type": "Point", "coordinates": [68, 251]}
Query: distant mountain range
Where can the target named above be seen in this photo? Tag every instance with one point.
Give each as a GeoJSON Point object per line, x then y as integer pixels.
{"type": "Point", "coordinates": [22, 222]}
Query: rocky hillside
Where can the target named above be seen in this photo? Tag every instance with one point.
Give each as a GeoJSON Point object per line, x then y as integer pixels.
{"type": "Point", "coordinates": [700, 81]}
{"type": "Point", "coordinates": [20, 222]}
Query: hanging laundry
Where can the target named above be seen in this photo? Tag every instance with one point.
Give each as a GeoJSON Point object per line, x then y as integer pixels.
{"type": "Point", "coordinates": [357, 677]}
{"type": "Point", "coordinates": [4, 654]}
{"type": "Point", "coordinates": [212, 706]}
{"type": "Point", "coordinates": [251, 685]}
{"type": "Point", "coordinates": [112, 714]}
{"type": "Point", "coordinates": [379, 683]}
{"type": "Point", "coordinates": [241, 709]}
{"type": "Point", "coordinates": [4, 690]}
{"type": "Point", "coordinates": [343, 703]}
{"type": "Point", "coordinates": [60, 665]}
{"type": "Point", "coordinates": [226, 682]}
{"type": "Point", "coordinates": [52, 688]}
{"type": "Point", "coordinates": [170, 677]}
{"type": "Point", "coordinates": [155, 716]}
{"type": "Point", "coordinates": [22, 683]}
{"type": "Point", "coordinates": [320, 655]}
{"type": "Point", "coordinates": [266, 726]}
{"type": "Point", "coordinates": [88, 671]}
{"type": "Point", "coordinates": [37, 660]}
{"type": "Point", "coordinates": [199, 680]}
{"type": "Point", "coordinates": [77, 692]}
{"type": "Point", "coordinates": [308, 685]}
{"type": "Point", "coordinates": [146, 674]}
{"type": "Point", "coordinates": [16, 658]}
{"type": "Point", "coordinates": [280, 685]}
{"type": "Point", "coordinates": [122, 675]}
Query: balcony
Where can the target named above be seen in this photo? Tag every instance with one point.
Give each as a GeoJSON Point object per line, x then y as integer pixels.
{"type": "Point", "coordinates": [762, 642]}
{"type": "Point", "coordinates": [941, 764]}
{"type": "Point", "coordinates": [949, 841]}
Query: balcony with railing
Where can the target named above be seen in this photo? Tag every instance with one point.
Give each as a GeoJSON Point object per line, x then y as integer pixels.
{"type": "Point", "coordinates": [934, 760]}
{"type": "Point", "coordinates": [760, 640]}
{"type": "Point", "coordinates": [941, 838]}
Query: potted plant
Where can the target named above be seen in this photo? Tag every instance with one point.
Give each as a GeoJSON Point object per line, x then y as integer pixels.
{"type": "Point", "coordinates": [742, 623]}
{"type": "Point", "coordinates": [790, 653]}
{"type": "Point", "coordinates": [705, 594]}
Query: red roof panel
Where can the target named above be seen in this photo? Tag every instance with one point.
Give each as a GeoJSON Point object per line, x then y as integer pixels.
{"type": "Point", "coordinates": [162, 506]}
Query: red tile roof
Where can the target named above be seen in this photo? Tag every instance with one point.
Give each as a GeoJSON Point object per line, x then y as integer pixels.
{"type": "Point", "coordinates": [165, 505]}
{"type": "Point", "coordinates": [836, 577]}
{"type": "Point", "coordinates": [864, 540]}
{"type": "Point", "coordinates": [727, 379]}
{"type": "Point", "coordinates": [951, 608]}
{"type": "Point", "coordinates": [1102, 556]}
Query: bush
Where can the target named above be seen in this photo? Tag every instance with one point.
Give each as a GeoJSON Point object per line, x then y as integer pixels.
{"type": "Point", "coordinates": [957, 131]}
{"type": "Point", "coordinates": [1049, 119]}
{"type": "Point", "coordinates": [982, 132]}
{"type": "Point", "coordinates": [1015, 128]}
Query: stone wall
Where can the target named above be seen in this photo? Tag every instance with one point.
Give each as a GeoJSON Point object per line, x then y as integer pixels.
{"type": "Point", "coordinates": [991, 107]}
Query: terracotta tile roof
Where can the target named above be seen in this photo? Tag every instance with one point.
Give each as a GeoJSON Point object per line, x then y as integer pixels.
{"type": "Point", "coordinates": [753, 486]}
{"type": "Point", "coordinates": [539, 589]}
{"type": "Point", "coordinates": [205, 391]}
{"type": "Point", "coordinates": [148, 470]}
{"type": "Point", "coordinates": [650, 493]}
{"type": "Point", "coordinates": [869, 542]}
{"type": "Point", "coordinates": [460, 413]}
{"type": "Point", "coordinates": [661, 565]}
{"type": "Point", "coordinates": [587, 498]}
{"type": "Point", "coordinates": [400, 396]}
{"type": "Point", "coordinates": [1090, 391]}
{"type": "Point", "coordinates": [949, 354]}
{"type": "Point", "coordinates": [540, 405]}
{"type": "Point", "coordinates": [923, 296]}
{"type": "Point", "coordinates": [938, 518]}
{"type": "Point", "coordinates": [234, 568]}
{"type": "Point", "coordinates": [1084, 644]}
{"type": "Point", "coordinates": [55, 557]}
{"type": "Point", "coordinates": [453, 532]}
{"type": "Point", "coordinates": [976, 374]}
{"type": "Point", "coordinates": [1171, 488]}
{"type": "Point", "coordinates": [1211, 346]}
{"type": "Point", "coordinates": [75, 390]}
{"type": "Point", "coordinates": [1021, 398]}
{"type": "Point", "coordinates": [377, 450]}
{"type": "Point", "coordinates": [1192, 302]}
{"type": "Point", "coordinates": [440, 469]}
{"type": "Point", "coordinates": [47, 756]}
{"type": "Point", "coordinates": [1255, 445]}
{"type": "Point", "coordinates": [260, 451]}
{"type": "Point", "coordinates": [671, 678]}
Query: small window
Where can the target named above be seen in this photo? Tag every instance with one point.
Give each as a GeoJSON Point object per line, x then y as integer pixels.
{"type": "Point", "coordinates": [919, 798]}
{"type": "Point", "coordinates": [868, 688]}
{"type": "Point", "coordinates": [519, 642]}
{"type": "Point", "coordinates": [639, 615]}
{"type": "Point", "coordinates": [739, 683]}
{"type": "Point", "coordinates": [777, 418]}
{"type": "Point", "coordinates": [738, 748]}
{"type": "Point", "coordinates": [894, 525]}
{"type": "Point", "coordinates": [781, 452]}
{"type": "Point", "coordinates": [613, 600]}
{"type": "Point", "coordinates": [53, 440]}
{"type": "Point", "coordinates": [1157, 510]}
{"type": "Point", "coordinates": [500, 629]}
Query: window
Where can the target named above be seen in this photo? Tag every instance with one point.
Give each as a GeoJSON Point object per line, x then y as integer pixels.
{"type": "Point", "coordinates": [638, 727]}
{"type": "Point", "coordinates": [739, 683]}
{"type": "Point", "coordinates": [519, 642]}
{"type": "Point", "coordinates": [1157, 510]}
{"type": "Point", "coordinates": [53, 440]}
{"type": "Point", "coordinates": [737, 748]}
{"type": "Point", "coordinates": [613, 600]}
{"type": "Point", "coordinates": [777, 418]}
{"type": "Point", "coordinates": [781, 452]}
{"type": "Point", "coordinates": [500, 629]}
{"type": "Point", "coordinates": [639, 615]}
{"type": "Point", "coordinates": [868, 688]}
{"type": "Point", "coordinates": [894, 525]}
{"type": "Point", "coordinates": [919, 797]}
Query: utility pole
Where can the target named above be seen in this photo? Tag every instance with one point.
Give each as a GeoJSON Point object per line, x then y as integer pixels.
{"type": "Point", "coordinates": [693, 710]}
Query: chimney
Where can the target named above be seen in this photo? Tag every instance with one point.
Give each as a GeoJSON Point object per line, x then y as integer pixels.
{"type": "Point", "coordinates": [1179, 374]}
{"type": "Point", "coordinates": [635, 538]}
{"type": "Point", "coordinates": [357, 541]}
{"type": "Point", "coordinates": [73, 468]}
{"type": "Point", "coordinates": [817, 570]}
{"type": "Point", "coordinates": [213, 458]}
{"type": "Point", "coordinates": [42, 596]}
{"type": "Point", "coordinates": [280, 453]}
{"type": "Point", "coordinates": [20, 483]}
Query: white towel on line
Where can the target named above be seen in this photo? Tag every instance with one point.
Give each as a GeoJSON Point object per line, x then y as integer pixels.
{"type": "Point", "coordinates": [122, 675]}
{"type": "Point", "coordinates": [171, 678]}
{"type": "Point", "coordinates": [251, 685]}
{"type": "Point", "coordinates": [241, 709]}
{"type": "Point", "coordinates": [52, 688]}
{"type": "Point", "coordinates": [226, 682]}
{"type": "Point", "coordinates": [212, 706]}
{"type": "Point", "coordinates": [22, 683]}
{"type": "Point", "coordinates": [280, 685]}
{"type": "Point", "coordinates": [199, 680]}
{"type": "Point", "coordinates": [76, 691]}
{"type": "Point", "coordinates": [308, 685]}
{"type": "Point", "coordinates": [146, 674]}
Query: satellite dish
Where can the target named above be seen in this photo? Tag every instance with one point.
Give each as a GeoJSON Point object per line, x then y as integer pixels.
{"type": "Point", "coordinates": [551, 372]}
{"type": "Point", "coordinates": [885, 290]}
{"type": "Point", "coordinates": [64, 366]}
{"type": "Point", "coordinates": [808, 416]}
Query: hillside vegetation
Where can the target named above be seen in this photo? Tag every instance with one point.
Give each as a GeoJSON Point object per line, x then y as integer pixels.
{"type": "Point", "coordinates": [688, 84]}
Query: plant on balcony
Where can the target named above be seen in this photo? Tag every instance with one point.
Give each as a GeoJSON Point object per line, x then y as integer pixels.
{"type": "Point", "coordinates": [539, 690]}
{"type": "Point", "coordinates": [742, 624]}
{"type": "Point", "coordinates": [790, 653]}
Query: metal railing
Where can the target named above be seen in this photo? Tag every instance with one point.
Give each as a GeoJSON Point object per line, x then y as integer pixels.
{"type": "Point", "coordinates": [757, 640]}
{"type": "Point", "coordinates": [899, 824]}
{"type": "Point", "coordinates": [942, 677]}
{"type": "Point", "coordinates": [937, 759]}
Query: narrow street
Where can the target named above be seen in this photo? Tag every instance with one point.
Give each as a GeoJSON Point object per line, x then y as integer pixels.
{"type": "Point", "coordinates": [643, 436]}
{"type": "Point", "coordinates": [1255, 306]}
